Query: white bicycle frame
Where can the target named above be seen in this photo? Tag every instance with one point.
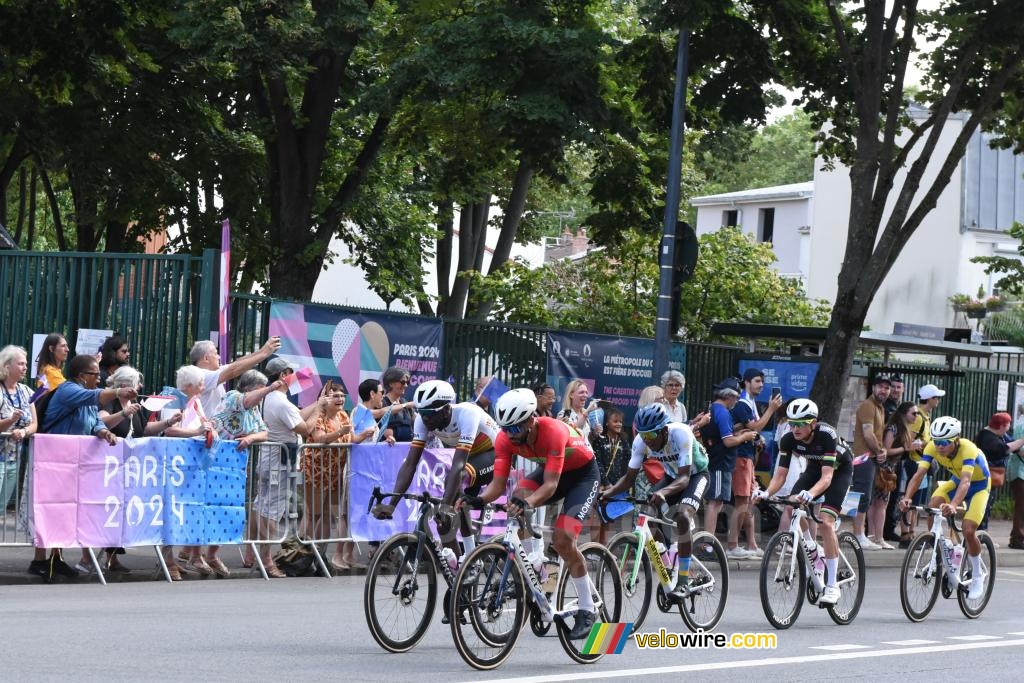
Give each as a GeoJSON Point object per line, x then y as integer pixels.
{"type": "Point", "coordinates": [517, 552]}
{"type": "Point", "coordinates": [796, 531]}
{"type": "Point", "coordinates": [938, 558]}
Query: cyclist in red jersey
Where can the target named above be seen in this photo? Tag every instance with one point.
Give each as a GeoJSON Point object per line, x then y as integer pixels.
{"type": "Point", "coordinates": [569, 474]}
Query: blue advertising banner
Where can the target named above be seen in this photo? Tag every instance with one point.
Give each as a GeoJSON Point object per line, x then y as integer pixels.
{"type": "Point", "coordinates": [615, 369]}
{"type": "Point", "coordinates": [793, 377]}
{"type": "Point", "coordinates": [341, 345]}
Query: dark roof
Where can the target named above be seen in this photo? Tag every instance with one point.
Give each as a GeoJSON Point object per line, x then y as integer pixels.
{"type": "Point", "coordinates": [894, 342]}
{"type": "Point", "coordinates": [6, 240]}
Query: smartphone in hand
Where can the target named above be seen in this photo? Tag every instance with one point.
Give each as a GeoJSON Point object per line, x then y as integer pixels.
{"type": "Point", "coordinates": [776, 391]}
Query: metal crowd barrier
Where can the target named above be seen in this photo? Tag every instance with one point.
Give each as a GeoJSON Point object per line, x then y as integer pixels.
{"type": "Point", "coordinates": [15, 499]}
{"type": "Point", "coordinates": [324, 498]}
{"type": "Point", "coordinates": [272, 497]}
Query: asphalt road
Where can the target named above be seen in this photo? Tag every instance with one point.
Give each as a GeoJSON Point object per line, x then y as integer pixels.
{"type": "Point", "coordinates": [314, 629]}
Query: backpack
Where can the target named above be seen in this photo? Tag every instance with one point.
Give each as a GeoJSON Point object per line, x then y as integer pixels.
{"type": "Point", "coordinates": [41, 404]}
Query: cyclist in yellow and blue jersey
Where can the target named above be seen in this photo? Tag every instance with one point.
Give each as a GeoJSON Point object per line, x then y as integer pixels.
{"type": "Point", "coordinates": [971, 483]}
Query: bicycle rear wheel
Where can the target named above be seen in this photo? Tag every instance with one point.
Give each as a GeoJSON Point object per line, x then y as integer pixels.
{"type": "Point", "coordinates": [972, 609]}
{"type": "Point", "coordinates": [636, 575]}
{"type": "Point", "coordinates": [709, 582]}
{"type": "Point", "coordinates": [782, 581]}
{"type": "Point", "coordinates": [919, 579]}
{"type": "Point", "coordinates": [850, 579]}
{"type": "Point", "coordinates": [398, 599]}
{"type": "Point", "coordinates": [488, 607]}
{"type": "Point", "coordinates": [607, 593]}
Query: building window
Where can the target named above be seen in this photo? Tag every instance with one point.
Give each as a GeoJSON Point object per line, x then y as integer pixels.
{"type": "Point", "coordinates": [730, 218]}
{"type": "Point", "coordinates": [766, 227]}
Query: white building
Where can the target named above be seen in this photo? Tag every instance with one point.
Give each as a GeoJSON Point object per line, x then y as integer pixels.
{"type": "Point", "coordinates": [780, 216]}
{"type": "Point", "coordinates": [983, 199]}
{"type": "Point", "coordinates": [346, 285]}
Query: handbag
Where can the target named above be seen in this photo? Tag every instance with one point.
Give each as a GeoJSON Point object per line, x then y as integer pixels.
{"type": "Point", "coordinates": [885, 479]}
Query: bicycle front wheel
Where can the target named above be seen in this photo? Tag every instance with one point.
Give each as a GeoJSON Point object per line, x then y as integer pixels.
{"type": "Point", "coordinates": [782, 580]}
{"type": "Point", "coordinates": [636, 575]}
{"type": "Point", "coordinates": [709, 584]}
{"type": "Point", "coordinates": [606, 590]}
{"type": "Point", "coordinates": [972, 609]}
{"type": "Point", "coordinates": [920, 577]}
{"type": "Point", "coordinates": [488, 607]}
{"type": "Point", "coordinates": [850, 578]}
{"type": "Point", "coordinates": [400, 592]}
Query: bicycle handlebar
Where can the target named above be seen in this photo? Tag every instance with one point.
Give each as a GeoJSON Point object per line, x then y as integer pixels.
{"type": "Point", "coordinates": [527, 518]}
{"type": "Point", "coordinates": [808, 507]}
{"type": "Point", "coordinates": [378, 496]}
{"type": "Point", "coordinates": [932, 512]}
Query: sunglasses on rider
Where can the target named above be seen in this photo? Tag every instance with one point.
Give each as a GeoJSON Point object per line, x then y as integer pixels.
{"type": "Point", "coordinates": [430, 412]}
{"type": "Point", "coordinates": [515, 430]}
{"type": "Point", "coordinates": [943, 442]}
{"type": "Point", "coordinates": [800, 423]}
{"type": "Point", "coordinates": [649, 436]}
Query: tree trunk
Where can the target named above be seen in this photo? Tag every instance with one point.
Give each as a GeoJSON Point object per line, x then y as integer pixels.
{"type": "Point", "coordinates": [51, 196]}
{"type": "Point", "coordinates": [834, 371]}
{"type": "Point", "coordinates": [446, 224]}
{"type": "Point", "coordinates": [479, 310]}
{"type": "Point", "coordinates": [32, 210]}
{"type": "Point", "coordinates": [18, 153]}
{"type": "Point", "coordinates": [22, 200]}
{"type": "Point", "coordinates": [455, 307]}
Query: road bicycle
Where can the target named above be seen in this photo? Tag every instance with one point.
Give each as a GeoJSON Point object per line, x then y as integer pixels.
{"type": "Point", "coordinates": [789, 571]}
{"type": "Point", "coordinates": [401, 582]}
{"type": "Point", "coordinates": [497, 586]}
{"type": "Point", "coordinates": [639, 559]}
{"type": "Point", "coordinates": [926, 570]}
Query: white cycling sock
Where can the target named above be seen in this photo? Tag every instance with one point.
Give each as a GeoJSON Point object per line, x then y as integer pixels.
{"type": "Point", "coordinates": [585, 599]}
{"type": "Point", "coordinates": [468, 543]}
{"type": "Point", "coordinates": [975, 565]}
{"type": "Point", "coordinates": [831, 567]}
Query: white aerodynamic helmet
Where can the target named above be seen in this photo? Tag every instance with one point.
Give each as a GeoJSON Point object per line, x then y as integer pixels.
{"type": "Point", "coordinates": [802, 409]}
{"type": "Point", "coordinates": [515, 406]}
{"type": "Point", "coordinates": [433, 393]}
{"type": "Point", "coordinates": [945, 428]}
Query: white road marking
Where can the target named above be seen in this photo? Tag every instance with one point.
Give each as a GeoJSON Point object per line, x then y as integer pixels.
{"type": "Point", "coordinates": [590, 674]}
{"type": "Point", "coordinates": [912, 642]}
{"type": "Point", "coordinates": [1016, 633]}
{"type": "Point", "coordinates": [976, 636]}
{"type": "Point", "coordinates": [841, 646]}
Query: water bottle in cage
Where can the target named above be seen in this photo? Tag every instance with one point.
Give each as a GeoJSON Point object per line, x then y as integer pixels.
{"type": "Point", "coordinates": [814, 557]}
{"type": "Point", "coordinates": [449, 556]}
{"type": "Point", "coordinates": [947, 552]}
{"type": "Point", "coordinates": [958, 556]}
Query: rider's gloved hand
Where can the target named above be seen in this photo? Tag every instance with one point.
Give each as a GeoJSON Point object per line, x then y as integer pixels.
{"type": "Point", "coordinates": [805, 496]}
{"type": "Point", "coordinates": [471, 500]}
{"type": "Point", "coordinates": [758, 495]}
{"type": "Point", "coordinates": [383, 511]}
{"type": "Point", "coordinates": [517, 506]}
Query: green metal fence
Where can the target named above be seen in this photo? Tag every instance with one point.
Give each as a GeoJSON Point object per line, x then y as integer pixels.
{"type": "Point", "coordinates": [516, 354]}
{"type": "Point", "coordinates": [706, 366]}
{"type": "Point", "coordinates": [160, 303]}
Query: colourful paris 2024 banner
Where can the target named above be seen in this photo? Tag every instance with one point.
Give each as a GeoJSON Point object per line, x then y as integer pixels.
{"type": "Point", "coordinates": [152, 491]}
{"type": "Point", "coordinates": [615, 369]}
{"type": "Point", "coordinates": [338, 344]}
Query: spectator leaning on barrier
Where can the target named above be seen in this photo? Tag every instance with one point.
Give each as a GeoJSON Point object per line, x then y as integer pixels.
{"type": "Point", "coordinates": [74, 410]}
{"type": "Point", "coordinates": [546, 398]}
{"type": "Point", "coordinates": [370, 410]}
{"type": "Point", "coordinates": [286, 424]}
{"type": "Point", "coordinates": [720, 442]}
{"type": "Point", "coordinates": [50, 363]}
{"type": "Point", "coordinates": [746, 416]}
{"type": "Point", "coordinates": [868, 428]}
{"type": "Point", "coordinates": [190, 381]}
{"type": "Point", "coordinates": [114, 353]}
{"type": "Point", "coordinates": [17, 419]}
{"type": "Point", "coordinates": [403, 413]}
{"type": "Point", "coordinates": [672, 383]}
{"type": "Point", "coordinates": [206, 357]}
{"type": "Point", "coordinates": [128, 419]}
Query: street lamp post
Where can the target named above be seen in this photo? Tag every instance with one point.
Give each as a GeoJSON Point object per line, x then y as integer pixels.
{"type": "Point", "coordinates": [662, 328]}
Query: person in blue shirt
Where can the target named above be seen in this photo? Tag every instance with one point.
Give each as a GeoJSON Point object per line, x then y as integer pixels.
{"type": "Point", "coordinates": [74, 410]}
{"type": "Point", "coordinates": [720, 442]}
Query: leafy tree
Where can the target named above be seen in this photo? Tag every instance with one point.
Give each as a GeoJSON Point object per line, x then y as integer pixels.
{"type": "Point", "coordinates": [614, 289]}
{"type": "Point", "coordinates": [849, 61]}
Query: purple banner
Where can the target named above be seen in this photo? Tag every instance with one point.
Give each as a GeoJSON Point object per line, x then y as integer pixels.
{"type": "Point", "coordinates": [373, 465]}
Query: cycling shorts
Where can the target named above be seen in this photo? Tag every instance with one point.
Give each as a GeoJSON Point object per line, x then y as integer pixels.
{"type": "Point", "coordinates": [692, 496]}
{"type": "Point", "coordinates": [479, 471]}
{"type": "Point", "coordinates": [835, 494]}
{"type": "Point", "coordinates": [577, 487]}
{"type": "Point", "coordinates": [976, 500]}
